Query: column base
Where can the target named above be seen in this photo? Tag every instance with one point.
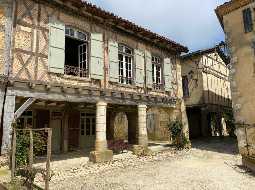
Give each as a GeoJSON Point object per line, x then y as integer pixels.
{"type": "Point", "coordinates": [140, 150]}
{"type": "Point", "coordinates": [101, 156]}
{"type": "Point", "coordinates": [249, 162]}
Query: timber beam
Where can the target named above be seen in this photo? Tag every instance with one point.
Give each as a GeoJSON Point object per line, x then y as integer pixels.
{"type": "Point", "coordinates": [22, 108]}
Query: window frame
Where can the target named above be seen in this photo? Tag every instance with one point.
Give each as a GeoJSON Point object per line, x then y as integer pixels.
{"type": "Point", "coordinates": [92, 126]}
{"type": "Point", "coordinates": [157, 62]}
{"type": "Point", "coordinates": [81, 71]}
{"type": "Point", "coordinates": [247, 20]}
{"type": "Point", "coordinates": [126, 65]}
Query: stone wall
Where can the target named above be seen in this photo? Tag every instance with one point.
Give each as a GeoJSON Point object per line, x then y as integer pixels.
{"type": "Point", "coordinates": [242, 77]}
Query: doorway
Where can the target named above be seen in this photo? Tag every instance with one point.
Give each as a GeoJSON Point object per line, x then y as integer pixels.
{"type": "Point", "coordinates": [87, 130]}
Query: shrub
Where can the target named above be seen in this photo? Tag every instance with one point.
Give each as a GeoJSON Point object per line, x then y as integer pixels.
{"type": "Point", "coordinates": [176, 131]}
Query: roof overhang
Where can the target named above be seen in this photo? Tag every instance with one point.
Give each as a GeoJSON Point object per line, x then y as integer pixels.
{"type": "Point", "coordinates": [125, 25]}
{"type": "Point", "coordinates": [229, 7]}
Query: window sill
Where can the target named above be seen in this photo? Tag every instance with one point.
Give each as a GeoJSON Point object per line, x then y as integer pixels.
{"type": "Point", "coordinates": [124, 85]}
{"type": "Point", "coordinates": [87, 79]}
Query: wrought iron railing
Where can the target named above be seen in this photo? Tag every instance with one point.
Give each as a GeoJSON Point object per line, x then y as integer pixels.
{"type": "Point", "coordinates": [76, 71]}
{"type": "Point", "coordinates": [158, 86]}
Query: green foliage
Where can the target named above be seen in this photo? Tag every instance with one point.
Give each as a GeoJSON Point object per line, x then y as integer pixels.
{"type": "Point", "coordinates": [22, 146]}
{"type": "Point", "coordinates": [230, 124]}
{"type": "Point", "coordinates": [176, 130]}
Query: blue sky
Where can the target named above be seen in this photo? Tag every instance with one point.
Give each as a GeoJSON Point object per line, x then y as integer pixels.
{"type": "Point", "coordinates": [192, 23]}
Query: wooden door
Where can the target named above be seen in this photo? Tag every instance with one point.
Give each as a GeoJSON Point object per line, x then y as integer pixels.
{"type": "Point", "coordinates": [73, 129]}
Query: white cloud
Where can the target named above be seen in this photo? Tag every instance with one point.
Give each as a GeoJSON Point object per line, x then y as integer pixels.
{"type": "Point", "coordinates": [190, 22]}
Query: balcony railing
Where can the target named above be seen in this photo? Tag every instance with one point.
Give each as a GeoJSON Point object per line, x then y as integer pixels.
{"type": "Point", "coordinates": [158, 86]}
{"type": "Point", "coordinates": [76, 71]}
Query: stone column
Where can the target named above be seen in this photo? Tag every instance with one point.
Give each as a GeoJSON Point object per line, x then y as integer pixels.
{"type": "Point", "coordinates": [101, 153]}
{"type": "Point", "coordinates": [204, 122]}
{"type": "Point", "coordinates": [65, 132]}
{"type": "Point", "coordinates": [142, 130]}
{"type": "Point", "coordinates": [8, 117]}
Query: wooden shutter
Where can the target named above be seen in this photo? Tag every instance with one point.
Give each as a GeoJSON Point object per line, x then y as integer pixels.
{"type": "Point", "coordinates": [148, 69]}
{"type": "Point", "coordinates": [247, 20]}
{"type": "Point", "coordinates": [113, 61]}
{"type": "Point", "coordinates": [168, 74]}
{"type": "Point", "coordinates": [97, 56]}
{"type": "Point", "coordinates": [139, 68]}
{"type": "Point", "coordinates": [56, 57]}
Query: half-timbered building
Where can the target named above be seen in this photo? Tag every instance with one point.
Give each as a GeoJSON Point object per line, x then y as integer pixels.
{"type": "Point", "coordinates": [206, 90]}
{"type": "Point", "coordinates": [89, 75]}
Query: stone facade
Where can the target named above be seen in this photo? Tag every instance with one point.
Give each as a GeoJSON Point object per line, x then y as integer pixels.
{"type": "Point", "coordinates": [241, 48]}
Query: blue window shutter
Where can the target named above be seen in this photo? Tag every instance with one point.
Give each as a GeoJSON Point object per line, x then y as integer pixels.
{"type": "Point", "coordinates": [56, 57]}
{"type": "Point", "coordinates": [168, 74]}
{"type": "Point", "coordinates": [97, 56]}
{"type": "Point", "coordinates": [148, 69]}
{"type": "Point", "coordinates": [113, 62]}
{"type": "Point", "coordinates": [139, 68]}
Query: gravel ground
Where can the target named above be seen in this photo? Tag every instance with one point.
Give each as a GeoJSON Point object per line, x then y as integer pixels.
{"type": "Point", "coordinates": [210, 164]}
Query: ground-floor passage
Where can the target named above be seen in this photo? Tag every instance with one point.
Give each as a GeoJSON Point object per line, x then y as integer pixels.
{"type": "Point", "coordinates": [207, 122]}
{"type": "Point", "coordinates": [210, 164]}
{"type": "Point", "coordinates": [91, 126]}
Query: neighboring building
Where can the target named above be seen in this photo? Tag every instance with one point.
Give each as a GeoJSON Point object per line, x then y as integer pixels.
{"type": "Point", "coordinates": [237, 18]}
{"type": "Point", "coordinates": [87, 74]}
{"type": "Point", "coordinates": [206, 89]}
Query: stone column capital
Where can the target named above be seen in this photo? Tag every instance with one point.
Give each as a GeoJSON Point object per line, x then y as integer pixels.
{"type": "Point", "coordinates": [142, 106]}
{"type": "Point", "coordinates": [101, 103]}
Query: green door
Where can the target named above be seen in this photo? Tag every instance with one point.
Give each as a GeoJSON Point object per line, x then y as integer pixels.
{"type": "Point", "coordinates": [87, 130]}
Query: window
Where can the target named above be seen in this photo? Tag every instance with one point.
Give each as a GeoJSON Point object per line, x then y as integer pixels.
{"type": "Point", "coordinates": [156, 73]}
{"type": "Point", "coordinates": [76, 55]}
{"type": "Point", "coordinates": [185, 86]}
{"type": "Point", "coordinates": [247, 20]}
{"type": "Point", "coordinates": [125, 65]}
{"type": "Point", "coordinates": [26, 120]}
{"type": "Point", "coordinates": [88, 124]}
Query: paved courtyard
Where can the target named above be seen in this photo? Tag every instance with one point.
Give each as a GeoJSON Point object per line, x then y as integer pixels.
{"type": "Point", "coordinates": [211, 164]}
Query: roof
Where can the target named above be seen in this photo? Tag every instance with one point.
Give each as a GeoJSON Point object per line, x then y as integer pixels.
{"type": "Point", "coordinates": [229, 7]}
{"type": "Point", "coordinates": [217, 49]}
{"type": "Point", "coordinates": [126, 25]}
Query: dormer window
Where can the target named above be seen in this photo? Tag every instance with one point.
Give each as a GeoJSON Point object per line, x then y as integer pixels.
{"type": "Point", "coordinates": [76, 53]}
{"type": "Point", "coordinates": [157, 72]}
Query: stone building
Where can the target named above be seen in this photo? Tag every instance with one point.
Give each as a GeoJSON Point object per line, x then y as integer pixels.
{"type": "Point", "coordinates": [206, 90]}
{"type": "Point", "coordinates": [87, 74]}
{"type": "Point", "coordinates": [237, 18]}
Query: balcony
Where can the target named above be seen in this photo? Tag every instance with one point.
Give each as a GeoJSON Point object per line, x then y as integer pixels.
{"type": "Point", "coordinates": [76, 71]}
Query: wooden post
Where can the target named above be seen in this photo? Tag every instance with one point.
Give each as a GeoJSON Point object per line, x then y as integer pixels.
{"type": "Point", "coordinates": [48, 160]}
{"type": "Point", "coordinates": [13, 155]}
{"type": "Point", "coordinates": [31, 155]}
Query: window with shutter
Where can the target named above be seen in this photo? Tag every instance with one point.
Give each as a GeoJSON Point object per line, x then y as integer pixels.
{"type": "Point", "coordinates": [97, 56]}
{"type": "Point", "coordinates": [113, 62]}
{"type": "Point", "coordinates": [76, 53]}
{"type": "Point", "coordinates": [148, 70]}
{"type": "Point", "coordinates": [157, 73]}
{"type": "Point", "coordinates": [168, 74]}
{"type": "Point", "coordinates": [247, 20]}
{"type": "Point", "coordinates": [126, 58]}
{"type": "Point", "coordinates": [185, 86]}
{"type": "Point", "coordinates": [139, 68]}
{"type": "Point", "coordinates": [56, 59]}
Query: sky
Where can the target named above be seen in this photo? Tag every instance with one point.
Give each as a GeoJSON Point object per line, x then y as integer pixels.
{"type": "Point", "coordinates": [192, 23]}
